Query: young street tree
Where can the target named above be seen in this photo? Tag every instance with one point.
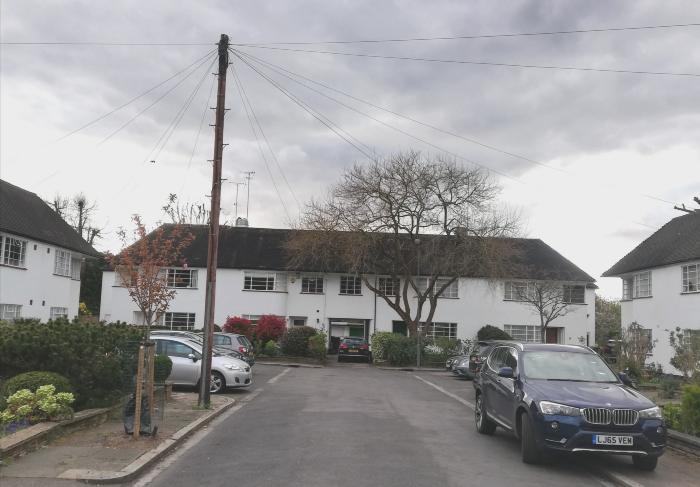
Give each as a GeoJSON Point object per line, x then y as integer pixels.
{"type": "Point", "coordinates": [409, 228]}
{"type": "Point", "coordinates": [549, 299]}
{"type": "Point", "coordinates": [686, 347]}
{"type": "Point", "coordinates": [141, 266]}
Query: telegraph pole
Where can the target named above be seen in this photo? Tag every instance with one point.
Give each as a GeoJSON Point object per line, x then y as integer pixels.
{"type": "Point", "coordinates": [204, 394]}
{"type": "Point", "coordinates": [248, 175]}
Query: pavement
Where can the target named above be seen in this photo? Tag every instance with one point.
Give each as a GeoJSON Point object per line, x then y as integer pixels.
{"type": "Point", "coordinates": [354, 425]}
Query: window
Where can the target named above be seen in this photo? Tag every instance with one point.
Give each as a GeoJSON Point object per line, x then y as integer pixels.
{"type": "Point", "coordinates": [10, 311]}
{"type": "Point", "coordinates": [62, 262]}
{"type": "Point", "coordinates": [176, 349]}
{"type": "Point", "coordinates": [222, 340]}
{"type": "Point", "coordinates": [75, 269]}
{"type": "Point", "coordinates": [524, 333]}
{"type": "Point", "coordinates": [264, 281]}
{"type": "Point", "coordinates": [179, 321]}
{"type": "Point", "coordinates": [642, 285]}
{"type": "Point", "coordinates": [388, 286]}
{"type": "Point", "coordinates": [517, 290]}
{"type": "Point", "coordinates": [691, 278]}
{"type": "Point", "coordinates": [446, 330]}
{"type": "Point", "coordinates": [350, 285]}
{"type": "Point", "coordinates": [56, 313]}
{"type": "Point", "coordinates": [574, 294]}
{"type": "Point", "coordinates": [14, 252]}
{"type": "Point", "coordinates": [182, 278]}
{"type": "Point", "coordinates": [626, 288]}
{"type": "Point", "coordinates": [450, 291]}
{"type": "Point", "coordinates": [252, 318]}
{"type": "Point", "coordinates": [297, 320]}
{"type": "Point", "coordinates": [312, 285]}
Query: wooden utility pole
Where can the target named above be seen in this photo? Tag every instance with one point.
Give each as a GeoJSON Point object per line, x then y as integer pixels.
{"type": "Point", "coordinates": [209, 303]}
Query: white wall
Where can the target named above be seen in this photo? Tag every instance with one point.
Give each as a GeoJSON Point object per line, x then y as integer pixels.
{"type": "Point", "coordinates": [480, 303]}
{"type": "Point", "coordinates": [35, 286]}
{"type": "Point", "coordinates": [667, 309]}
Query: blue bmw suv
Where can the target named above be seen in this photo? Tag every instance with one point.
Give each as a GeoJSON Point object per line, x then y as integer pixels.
{"type": "Point", "coordinates": [566, 398]}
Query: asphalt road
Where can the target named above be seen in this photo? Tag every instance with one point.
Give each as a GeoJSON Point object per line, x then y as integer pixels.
{"type": "Point", "coordinates": [353, 425]}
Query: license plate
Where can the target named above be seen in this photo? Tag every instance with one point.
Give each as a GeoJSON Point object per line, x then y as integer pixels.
{"type": "Point", "coordinates": [353, 350]}
{"type": "Point", "coordinates": [612, 440]}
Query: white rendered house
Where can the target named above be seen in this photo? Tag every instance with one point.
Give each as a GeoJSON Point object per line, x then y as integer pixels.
{"type": "Point", "coordinates": [252, 280]}
{"type": "Point", "coordinates": [661, 284]}
{"type": "Point", "coordinates": [40, 258]}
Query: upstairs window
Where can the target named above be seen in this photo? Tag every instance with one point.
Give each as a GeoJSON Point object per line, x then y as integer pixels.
{"type": "Point", "coordinates": [574, 294]}
{"type": "Point", "coordinates": [264, 281]}
{"type": "Point", "coordinates": [627, 284]}
{"type": "Point", "coordinates": [388, 286]}
{"type": "Point", "coordinates": [312, 285]}
{"type": "Point", "coordinates": [75, 269]}
{"type": "Point", "coordinates": [351, 285]}
{"type": "Point", "coordinates": [642, 285]}
{"type": "Point", "coordinates": [182, 278]}
{"type": "Point", "coordinates": [62, 263]}
{"type": "Point", "coordinates": [451, 291]}
{"type": "Point", "coordinates": [13, 251]}
{"type": "Point", "coordinates": [691, 278]}
{"type": "Point", "coordinates": [518, 290]}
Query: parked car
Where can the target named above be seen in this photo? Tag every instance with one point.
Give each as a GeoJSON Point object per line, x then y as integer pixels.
{"type": "Point", "coordinates": [237, 343]}
{"type": "Point", "coordinates": [226, 371]}
{"type": "Point", "coordinates": [198, 339]}
{"type": "Point", "coordinates": [353, 347]}
{"type": "Point", "coordinates": [566, 398]}
{"type": "Point", "coordinates": [460, 367]}
{"type": "Point", "coordinates": [450, 361]}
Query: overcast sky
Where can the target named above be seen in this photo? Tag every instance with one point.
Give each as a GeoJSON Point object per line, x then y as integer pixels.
{"type": "Point", "coordinates": [608, 153]}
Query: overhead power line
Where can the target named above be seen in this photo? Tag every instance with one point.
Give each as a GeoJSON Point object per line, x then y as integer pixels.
{"type": "Point", "coordinates": [104, 44]}
{"type": "Point", "coordinates": [477, 63]}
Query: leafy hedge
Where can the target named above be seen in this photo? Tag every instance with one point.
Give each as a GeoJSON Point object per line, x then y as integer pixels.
{"type": "Point", "coordinates": [490, 332]}
{"type": "Point", "coordinates": [690, 409]}
{"type": "Point", "coordinates": [295, 341]}
{"type": "Point", "coordinates": [98, 359]}
{"type": "Point", "coordinates": [318, 346]}
{"type": "Point", "coordinates": [34, 380]}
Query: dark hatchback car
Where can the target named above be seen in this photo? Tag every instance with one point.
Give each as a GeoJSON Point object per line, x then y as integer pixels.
{"type": "Point", "coordinates": [353, 348]}
{"type": "Point", "coordinates": [566, 398]}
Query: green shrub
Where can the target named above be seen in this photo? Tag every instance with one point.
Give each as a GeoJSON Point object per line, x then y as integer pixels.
{"type": "Point", "coordinates": [672, 416]}
{"type": "Point", "coordinates": [44, 404]}
{"type": "Point", "coordinates": [295, 341]}
{"type": "Point", "coordinates": [400, 350]}
{"type": "Point", "coordinates": [33, 380]}
{"type": "Point", "coordinates": [669, 388]}
{"type": "Point", "coordinates": [318, 346]}
{"type": "Point", "coordinates": [271, 349]}
{"type": "Point", "coordinates": [690, 409]}
{"type": "Point", "coordinates": [490, 332]}
{"type": "Point", "coordinates": [379, 340]}
{"type": "Point", "coordinates": [163, 365]}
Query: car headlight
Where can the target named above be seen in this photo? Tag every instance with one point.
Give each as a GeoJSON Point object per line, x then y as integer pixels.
{"type": "Point", "coordinates": [464, 362]}
{"type": "Point", "coordinates": [231, 366]}
{"type": "Point", "coordinates": [651, 413]}
{"type": "Point", "coordinates": [558, 409]}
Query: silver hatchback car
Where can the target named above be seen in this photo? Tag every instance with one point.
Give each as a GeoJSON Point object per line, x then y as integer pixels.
{"type": "Point", "coordinates": [185, 354]}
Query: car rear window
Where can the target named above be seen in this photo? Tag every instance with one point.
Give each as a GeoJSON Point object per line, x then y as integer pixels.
{"type": "Point", "coordinates": [354, 341]}
{"type": "Point", "coordinates": [244, 341]}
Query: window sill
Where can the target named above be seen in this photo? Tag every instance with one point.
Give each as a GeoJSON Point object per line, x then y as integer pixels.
{"type": "Point", "coordinates": [22, 268]}
{"type": "Point", "coordinates": [643, 297]}
{"type": "Point", "coordinates": [344, 294]}
{"type": "Point", "coordinates": [318, 294]}
{"type": "Point", "coordinates": [690, 292]}
{"type": "Point", "coordinates": [262, 291]}
{"type": "Point", "coordinates": [61, 275]}
{"type": "Point", "coordinates": [178, 288]}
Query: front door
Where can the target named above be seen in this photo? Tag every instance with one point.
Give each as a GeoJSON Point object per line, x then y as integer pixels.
{"type": "Point", "coordinates": [552, 335]}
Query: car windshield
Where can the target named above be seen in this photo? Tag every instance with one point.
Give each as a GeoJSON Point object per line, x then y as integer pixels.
{"type": "Point", "coordinates": [566, 366]}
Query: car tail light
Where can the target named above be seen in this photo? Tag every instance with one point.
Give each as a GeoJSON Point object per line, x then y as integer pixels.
{"type": "Point", "coordinates": [364, 347]}
{"type": "Point", "coordinates": [344, 346]}
{"type": "Point", "coordinates": [243, 349]}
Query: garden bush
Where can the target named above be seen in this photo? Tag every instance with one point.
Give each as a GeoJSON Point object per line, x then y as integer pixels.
{"type": "Point", "coordinates": [669, 388]}
{"type": "Point", "coordinates": [242, 326]}
{"type": "Point", "coordinates": [271, 349]}
{"type": "Point", "coordinates": [34, 407]}
{"type": "Point", "coordinates": [672, 416]}
{"type": "Point", "coordinates": [379, 340]}
{"type": "Point", "coordinates": [269, 327]}
{"type": "Point", "coordinates": [490, 332]}
{"type": "Point", "coordinates": [295, 341]}
{"type": "Point", "coordinates": [690, 409]}
{"type": "Point", "coordinates": [400, 350]}
{"type": "Point", "coordinates": [163, 365]}
{"type": "Point", "coordinates": [34, 380]}
{"type": "Point", "coordinates": [318, 346]}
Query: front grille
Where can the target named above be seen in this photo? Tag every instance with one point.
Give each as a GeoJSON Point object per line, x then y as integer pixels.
{"type": "Point", "coordinates": [597, 415]}
{"type": "Point", "coordinates": [625, 417]}
{"type": "Point", "coordinates": [618, 417]}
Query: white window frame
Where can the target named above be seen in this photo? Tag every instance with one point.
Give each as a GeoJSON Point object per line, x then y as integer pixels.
{"type": "Point", "coordinates": [524, 333]}
{"type": "Point", "coordinates": [388, 286]}
{"type": "Point", "coordinates": [183, 321]}
{"type": "Point", "coordinates": [350, 285]}
{"type": "Point", "coordinates": [58, 312]}
{"type": "Point", "coordinates": [642, 280]}
{"type": "Point", "coordinates": [264, 281]}
{"type": "Point", "coordinates": [310, 284]}
{"type": "Point", "coordinates": [569, 296]}
{"type": "Point", "coordinates": [7, 258]}
{"type": "Point", "coordinates": [627, 285]}
{"type": "Point", "coordinates": [10, 312]}
{"type": "Point", "coordinates": [176, 276]}
{"type": "Point", "coordinates": [450, 292]}
{"type": "Point", "coordinates": [515, 290]}
{"type": "Point", "coordinates": [442, 327]}
{"type": "Point", "coordinates": [62, 263]}
{"type": "Point", "coordinates": [76, 265]}
{"type": "Point", "coordinates": [690, 278]}
{"type": "Point", "coordinates": [252, 318]}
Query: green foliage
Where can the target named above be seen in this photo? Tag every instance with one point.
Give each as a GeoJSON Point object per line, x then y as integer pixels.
{"type": "Point", "coordinates": [379, 340]}
{"type": "Point", "coordinates": [608, 320]}
{"type": "Point", "coordinates": [163, 365]}
{"type": "Point", "coordinates": [686, 345]}
{"type": "Point", "coordinates": [91, 284]}
{"type": "Point", "coordinates": [33, 380]}
{"type": "Point", "coordinates": [400, 350]}
{"type": "Point", "coordinates": [690, 409]}
{"type": "Point", "coordinates": [318, 347]}
{"type": "Point", "coordinates": [295, 341]}
{"type": "Point", "coordinates": [44, 404]}
{"type": "Point", "coordinates": [98, 359]}
{"type": "Point", "coordinates": [490, 332]}
{"type": "Point", "coordinates": [669, 388]}
{"type": "Point", "coordinates": [271, 349]}
{"type": "Point", "coordinates": [672, 416]}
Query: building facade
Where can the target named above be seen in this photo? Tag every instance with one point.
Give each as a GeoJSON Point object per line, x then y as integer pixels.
{"type": "Point", "coordinates": [40, 258]}
{"type": "Point", "coordinates": [660, 281]}
{"type": "Point", "coordinates": [253, 280]}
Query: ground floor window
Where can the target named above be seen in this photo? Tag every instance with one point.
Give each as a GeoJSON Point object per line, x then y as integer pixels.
{"type": "Point", "coordinates": [10, 311]}
{"type": "Point", "coordinates": [252, 318]}
{"type": "Point", "coordinates": [179, 321]}
{"type": "Point", "coordinates": [57, 312]}
{"type": "Point", "coordinates": [297, 320]}
{"type": "Point", "coordinates": [442, 330]}
{"type": "Point", "coordinates": [524, 333]}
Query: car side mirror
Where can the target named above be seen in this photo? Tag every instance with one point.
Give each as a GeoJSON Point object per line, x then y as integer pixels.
{"type": "Point", "coordinates": [625, 379]}
{"type": "Point", "coordinates": [506, 372]}
{"type": "Point", "coordinates": [192, 357]}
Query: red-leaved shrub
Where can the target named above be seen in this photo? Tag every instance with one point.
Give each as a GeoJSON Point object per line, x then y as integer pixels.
{"type": "Point", "coordinates": [269, 327]}
{"type": "Point", "coordinates": [242, 326]}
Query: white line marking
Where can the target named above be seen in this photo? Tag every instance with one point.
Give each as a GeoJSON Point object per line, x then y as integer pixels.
{"type": "Point", "coordinates": [278, 376]}
{"type": "Point", "coordinates": [445, 392]}
{"type": "Point", "coordinates": [148, 477]}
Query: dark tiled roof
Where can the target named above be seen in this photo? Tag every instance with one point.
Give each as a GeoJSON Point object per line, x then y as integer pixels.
{"type": "Point", "coordinates": [264, 249]}
{"type": "Point", "coordinates": [25, 214]}
{"type": "Point", "coordinates": [677, 241]}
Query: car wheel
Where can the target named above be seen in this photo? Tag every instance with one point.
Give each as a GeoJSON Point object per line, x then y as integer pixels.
{"type": "Point", "coordinates": [528, 446]}
{"type": "Point", "coordinates": [217, 383]}
{"type": "Point", "coordinates": [645, 462]}
{"type": "Point", "coordinates": [483, 424]}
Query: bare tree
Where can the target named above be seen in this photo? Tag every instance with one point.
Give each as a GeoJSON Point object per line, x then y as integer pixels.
{"type": "Point", "coordinates": [549, 299]}
{"type": "Point", "coordinates": [635, 345]}
{"type": "Point", "coordinates": [78, 213]}
{"type": "Point", "coordinates": [186, 213]}
{"type": "Point", "coordinates": [689, 210]}
{"type": "Point", "coordinates": [141, 266]}
{"type": "Point", "coordinates": [409, 228]}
